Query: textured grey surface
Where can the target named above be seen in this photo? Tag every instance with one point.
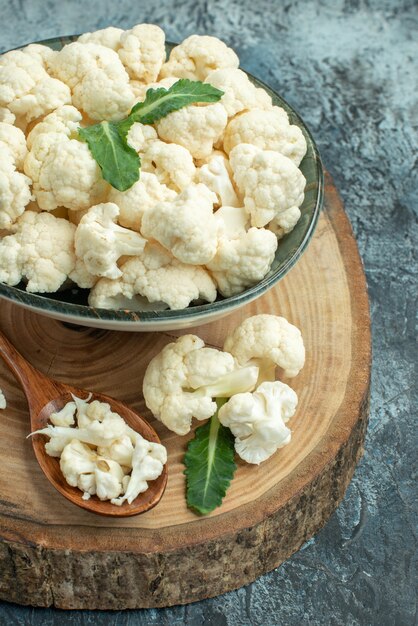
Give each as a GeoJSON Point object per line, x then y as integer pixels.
{"type": "Point", "coordinates": [350, 68]}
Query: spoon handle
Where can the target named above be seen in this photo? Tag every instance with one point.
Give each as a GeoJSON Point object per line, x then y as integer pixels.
{"type": "Point", "coordinates": [36, 385]}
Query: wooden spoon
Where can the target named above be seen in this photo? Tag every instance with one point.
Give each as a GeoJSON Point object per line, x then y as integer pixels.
{"type": "Point", "coordinates": [45, 396]}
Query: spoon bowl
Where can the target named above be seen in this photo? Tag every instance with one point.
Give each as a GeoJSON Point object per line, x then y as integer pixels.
{"type": "Point", "coordinates": [46, 396]}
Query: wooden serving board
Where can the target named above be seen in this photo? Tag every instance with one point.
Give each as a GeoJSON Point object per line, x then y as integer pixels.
{"type": "Point", "coordinates": [52, 552]}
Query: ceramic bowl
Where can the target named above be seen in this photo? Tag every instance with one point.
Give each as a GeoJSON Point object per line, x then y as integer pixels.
{"type": "Point", "coordinates": [71, 305]}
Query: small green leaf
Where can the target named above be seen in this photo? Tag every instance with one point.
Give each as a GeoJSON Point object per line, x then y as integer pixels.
{"type": "Point", "coordinates": [160, 102]}
{"type": "Point", "coordinates": [210, 465]}
{"type": "Point", "coordinates": [118, 161]}
{"type": "Point", "coordinates": [108, 143]}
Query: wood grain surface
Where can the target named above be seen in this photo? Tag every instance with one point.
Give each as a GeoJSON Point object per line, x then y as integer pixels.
{"type": "Point", "coordinates": [52, 552]}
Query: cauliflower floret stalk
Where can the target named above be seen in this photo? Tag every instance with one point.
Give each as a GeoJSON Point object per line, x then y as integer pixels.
{"type": "Point", "coordinates": [109, 141]}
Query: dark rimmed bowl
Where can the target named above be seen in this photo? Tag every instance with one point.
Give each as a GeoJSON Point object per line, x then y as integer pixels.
{"type": "Point", "coordinates": [71, 305]}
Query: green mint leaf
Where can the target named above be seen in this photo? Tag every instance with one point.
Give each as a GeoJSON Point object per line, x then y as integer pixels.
{"type": "Point", "coordinates": [118, 161]}
{"type": "Point", "coordinates": [210, 465]}
{"type": "Point", "coordinates": [160, 102]}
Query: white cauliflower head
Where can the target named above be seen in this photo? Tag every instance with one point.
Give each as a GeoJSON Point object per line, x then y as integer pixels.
{"type": "Point", "coordinates": [14, 140]}
{"type": "Point", "coordinates": [142, 52]}
{"type": "Point", "coordinates": [171, 163]}
{"type": "Point", "coordinates": [194, 127]}
{"type": "Point", "coordinates": [64, 173]}
{"type": "Point", "coordinates": [243, 261]}
{"type": "Point", "coordinates": [182, 380]}
{"type": "Point", "coordinates": [268, 130]}
{"type": "Point", "coordinates": [268, 341]}
{"type": "Point", "coordinates": [26, 89]}
{"type": "Point", "coordinates": [65, 120]}
{"type": "Point", "coordinates": [216, 175]}
{"type": "Point", "coordinates": [6, 116]}
{"type": "Point", "coordinates": [157, 278]}
{"type": "Point", "coordinates": [43, 54]}
{"type": "Point", "coordinates": [270, 182]}
{"type": "Point", "coordinates": [41, 250]}
{"type": "Point", "coordinates": [100, 242]}
{"type": "Point", "coordinates": [239, 92]}
{"type": "Point", "coordinates": [197, 56]}
{"type": "Point", "coordinates": [141, 197]}
{"type": "Point", "coordinates": [108, 37]}
{"type": "Point", "coordinates": [185, 226]}
{"type": "Point", "coordinates": [258, 420]}
{"type": "Point", "coordinates": [141, 136]}
{"type": "Point", "coordinates": [15, 188]}
{"type": "Point", "coordinates": [285, 222]}
{"type": "Point", "coordinates": [97, 78]}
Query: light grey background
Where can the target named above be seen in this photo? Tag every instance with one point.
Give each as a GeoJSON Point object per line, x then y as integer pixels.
{"type": "Point", "coordinates": [350, 69]}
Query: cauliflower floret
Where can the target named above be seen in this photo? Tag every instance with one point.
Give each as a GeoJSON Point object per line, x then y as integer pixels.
{"type": "Point", "coordinates": [120, 450]}
{"type": "Point", "coordinates": [285, 222]}
{"type": "Point", "coordinates": [142, 52]}
{"type": "Point", "coordinates": [240, 263]}
{"type": "Point", "coordinates": [6, 116]}
{"type": "Point", "coordinates": [176, 370]}
{"type": "Point", "coordinates": [40, 250]}
{"type": "Point", "coordinates": [109, 476]}
{"type": "Point", "coordinates": [14, 139]}
{"type": "Point", "coordinates": [141, 197]}
{"type": "Point", "coordinates": [148, 462]}
{"type": "Point", "coordinates": [257, 420]}
{"type": "Point", "coordinates": [97, 78]}
{"type": "Point", "coordinates": [100, 242]}
{"type": "Point", "coordinates": [197, 56]}
{"type": "Point", "coordinates": [185, 226]}
{"type": "Point", "coordinates": [64, 417]}
{"type": "Point", "coordinates": [26, 89]}
{"type": "Point", "coordinates": [108, 37]}
{"type": "Point", "coordinates": [239, 92]}
{"type": "Point", "coordinates": [172, 164]}
{"type": "Point", "coordinates": [103, 97]}
{"type": "Point", "coordinates": [269, 341]}
{"type": "Point", "coordinates": [77, 459]}
{"type": "Point", "coordinates": [216, 175]}
{"type": "Point", "coordinates": [95, 433]}
{"type": "Point", "coordinates": [43, 54]}
{"type": "Point", "coordinates": [87, 484]}
{"type": "Point", "coordinates": [270, 182]}
{"type": "Point", "coordinates": [3, 402]}
{"type": "Point", "coordinates": [64, 173]}
{"type": "Point", "coordinates": [141, 136]}
{"type": "Point", "coordinates": [65, 120]}
{"type": "Point", "coordinates": [158, 277]}
{"type": "Point", "coordinates": [15, 192]}
{"type": "Point", "coordinates": [194, 127]}
{"type": "Point", "coordinates": [268, 130]}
